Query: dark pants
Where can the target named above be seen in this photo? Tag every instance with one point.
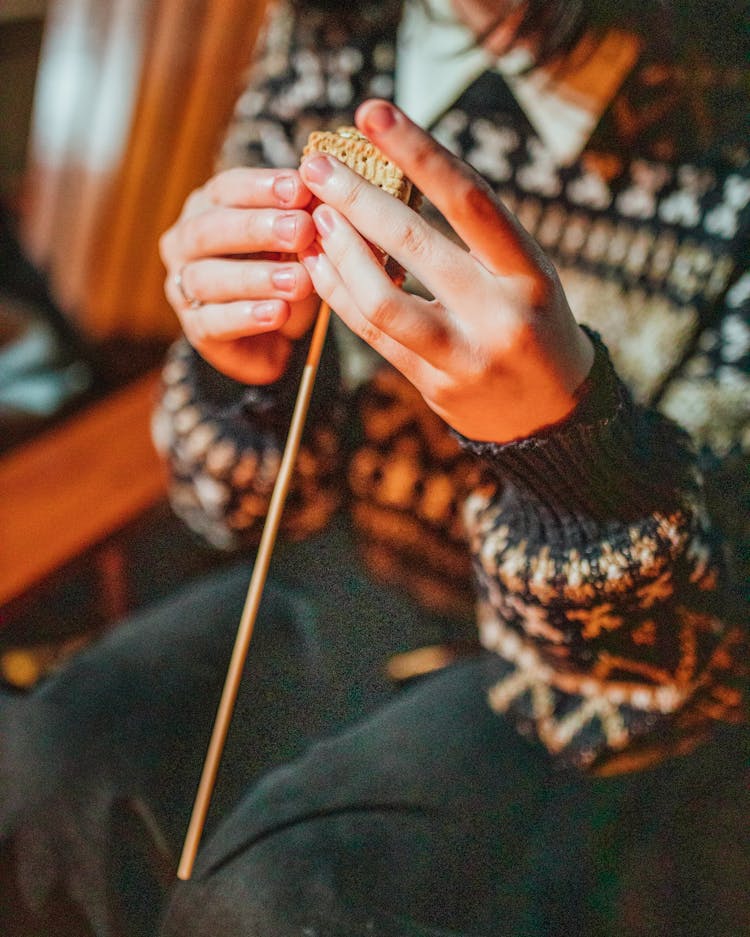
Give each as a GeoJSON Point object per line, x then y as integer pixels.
{"type": "Point", "coordinates": [432, 817]}
{"type": "Point", "coordinates": [428, 815]}
{"type": "Point", "coordinates": [99, 765]}
{"type": "Point", "coordinates": [101, 762]}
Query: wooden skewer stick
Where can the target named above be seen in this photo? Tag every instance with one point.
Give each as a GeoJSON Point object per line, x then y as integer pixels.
{"type": "Point", "coordinates": [252, 601]}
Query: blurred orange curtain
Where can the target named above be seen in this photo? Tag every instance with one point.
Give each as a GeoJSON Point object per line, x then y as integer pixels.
{"type": "Point", "coordinates": [131, 100]}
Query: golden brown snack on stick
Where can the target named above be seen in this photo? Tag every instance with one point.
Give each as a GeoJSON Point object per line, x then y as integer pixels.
{"type": "Point", "coordinates": [353, 149]}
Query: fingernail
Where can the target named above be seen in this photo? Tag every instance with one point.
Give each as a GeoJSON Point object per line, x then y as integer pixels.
{"type": "Point", "coordinates": [317, 169]}
{"type": "Point", "coordinates": [379, 118]}
{"type": "Point", "coordinates": [324, 221]}
{"type": "Point", "coordinates": [285, 227]}
{"type": "Point", "coordinates": [264, 313]}
{"type": "Point", "coordinates": [283, 188]}
{"type": "Point", "coordinates": [284, 279]}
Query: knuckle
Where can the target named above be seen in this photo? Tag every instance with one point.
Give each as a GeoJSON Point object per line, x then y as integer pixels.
{"type": "Point", "coordinates": [540, 287]}
{"type": "Point", "coordinates": [382, 311]}
{"type": "Point", "coordinates": [192, 276]}
{"type": "Point", "coordinates": [197, 236]}
{"type": "Point", "coordinates": [247, 279]}
{"type": "Point", "coordinates": [415, 239]}
{"type": "Point", "coordinates": [352, 196]}
{"type": "Point", "coordinates": [214, 188]}
{"type": "Point", "coordinates": [425, 151]}
{"type": "Point", "coordinates": [370, 333]}
{"type": "Point", "coordinates": [193, 329]}
{"type": "Point", "coordinates": [166, 244]}
{"type": "Point", "coordinates": [195, 200]}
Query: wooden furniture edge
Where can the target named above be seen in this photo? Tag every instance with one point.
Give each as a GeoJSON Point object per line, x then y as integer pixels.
{"type": "Point", "coordinates": [79, 482]}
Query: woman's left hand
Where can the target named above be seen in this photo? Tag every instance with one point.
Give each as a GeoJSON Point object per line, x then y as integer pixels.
{"type": "Point", "coordinates": [497, 352]}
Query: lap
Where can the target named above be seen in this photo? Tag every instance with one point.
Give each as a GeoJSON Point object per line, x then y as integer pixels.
{"type": "Point", "coordinates": [394, 825]}
{"type": "Point", "coordinates": [433, 817]}
{"type": "Point", "coordinates": [127, 721]}
{"type": "Point", "coordinates": [117, 738]}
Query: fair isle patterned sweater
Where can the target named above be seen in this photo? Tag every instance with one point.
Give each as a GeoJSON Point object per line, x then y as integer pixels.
{"type": "Point", "coordinates": [589, 550]}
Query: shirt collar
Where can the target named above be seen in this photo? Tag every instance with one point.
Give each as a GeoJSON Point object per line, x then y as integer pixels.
{"type": "Point", "coordinates": [437, 51]}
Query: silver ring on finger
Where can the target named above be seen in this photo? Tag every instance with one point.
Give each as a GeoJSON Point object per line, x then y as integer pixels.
{"type": "Point", "coordinates": [179, 282]}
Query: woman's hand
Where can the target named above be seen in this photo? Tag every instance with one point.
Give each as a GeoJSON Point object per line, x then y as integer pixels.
{"type": "Point", "coordinates": [497, 352]}
{"type": "Point", "coordinates": [233, 276]}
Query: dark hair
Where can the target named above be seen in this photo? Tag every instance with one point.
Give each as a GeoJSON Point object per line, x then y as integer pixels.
{"type": "Point", "coordinates": [713, 30]}
{"type": "Point", "coordinates": [555, 25]}
{"type": "Point", "coordinates": [708, 31]}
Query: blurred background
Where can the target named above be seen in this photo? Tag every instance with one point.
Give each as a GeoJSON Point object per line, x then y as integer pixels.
{"type": "Point", "coordinates": [110, 113]}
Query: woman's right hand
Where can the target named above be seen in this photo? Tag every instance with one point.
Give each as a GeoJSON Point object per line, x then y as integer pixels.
{"type": "Point", "coordinates": [233, 277]}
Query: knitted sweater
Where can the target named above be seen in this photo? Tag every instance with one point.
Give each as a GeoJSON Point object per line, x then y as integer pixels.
{"type": "Point", "coordinates": [588, 549]}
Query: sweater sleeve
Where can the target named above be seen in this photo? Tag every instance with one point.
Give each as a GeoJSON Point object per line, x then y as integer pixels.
{"type": "Point", "coordinates": [222, 443]}
{"type": "Point", "coordinates": [602, 586]}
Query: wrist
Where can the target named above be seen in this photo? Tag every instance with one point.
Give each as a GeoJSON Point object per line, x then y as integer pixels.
{"type": "Point", "coordinates": [608, 460]}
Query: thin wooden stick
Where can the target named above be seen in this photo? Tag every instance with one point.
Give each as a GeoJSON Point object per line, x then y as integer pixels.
{"type": "Point", "coordinates": [252, 601]}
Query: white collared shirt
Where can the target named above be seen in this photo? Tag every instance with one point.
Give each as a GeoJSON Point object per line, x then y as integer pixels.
{"type": "Point", "coordinates": [437, 51]}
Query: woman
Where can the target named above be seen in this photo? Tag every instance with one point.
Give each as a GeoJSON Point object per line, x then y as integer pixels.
{"type": "Point", "coordinates": [564, 780]}
{"type": "Point", "coordinates": [600, 586]}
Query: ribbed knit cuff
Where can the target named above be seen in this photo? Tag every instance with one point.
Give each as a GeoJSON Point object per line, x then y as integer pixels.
{"type": "Point", "coordinates": [610, 460]}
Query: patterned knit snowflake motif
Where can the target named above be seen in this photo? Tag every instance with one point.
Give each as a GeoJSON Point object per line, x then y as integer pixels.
{"type": "Point", "coordinates": [307, 87]}
{"type": "Point", "coordinates": [341, 65]}
{"type": "Point", "coordinates": [596, 619]}
{"type": "Point", "coordinates": [601, 659]}
{"type": "Point", "coordinates": [223, 474]}
{"type": "Point", "coordinates": [448, 130]}
{"type": "Point", "coordinates": [640, 198]}
{"type": "Point", "coordinates": [589, 189]}
{"type": "Point", "coordinates": [682, 207]}
{"type": "Point", "coordinates": [735, 334]}
{"type": "Point", "coordinates": [711, 398]}
{"type": "Point", "coordinates": [540, 174]}
{"type": "Point", "coordinates": [724, 218]}
{"type": "Point", "coordinates": [491, 149]}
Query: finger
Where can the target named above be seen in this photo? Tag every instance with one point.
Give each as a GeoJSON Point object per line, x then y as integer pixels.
{"type": "Point", "coordinates": [490, 231]}
{"type": "Point", "coordinates": [259, 359]}
{"type": "Point", "coordinates": [445, 268]}
{"type": "Point", "coordinates": [221, 231]}
{"type": "Point", "coordinates": [330, 287]}
{"type": "Point", "coordinates": [423, 327]}
{"type": "Point", "coordinates": [257, 188]}
{"type": "Point", "coordinates": [220, 280]}
{"type": "Point", "coordinates": [229, 321]}
{"type": "Point", "coordinates": [239, 188]}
